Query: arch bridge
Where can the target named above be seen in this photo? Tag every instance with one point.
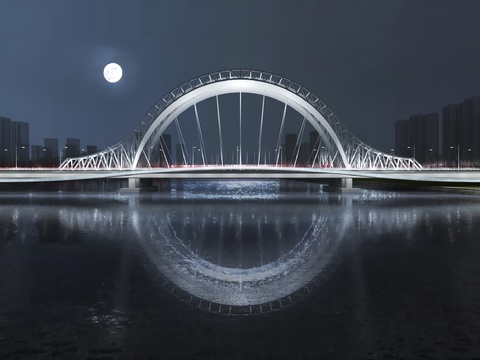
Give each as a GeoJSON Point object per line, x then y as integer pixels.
{"type": "Point", "coordinates": [260, 143]}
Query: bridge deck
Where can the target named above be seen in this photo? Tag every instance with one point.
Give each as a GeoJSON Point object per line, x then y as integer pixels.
{"type": "Point", "coordinates": [238, 172]}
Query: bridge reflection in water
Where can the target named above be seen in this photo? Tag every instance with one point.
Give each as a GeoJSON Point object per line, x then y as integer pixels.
{"type": "Point", "coordinates": [244, 254]}
{"type": "Point", "coordinates": [227, 249]}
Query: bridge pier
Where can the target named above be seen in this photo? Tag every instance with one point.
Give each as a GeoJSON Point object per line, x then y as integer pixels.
{"type": "Point", "coordinates": [133, 183]}
{"type": "Point", "coordinates": [343, 185]}
{"type": "Point", "coordinates": [136, 185]}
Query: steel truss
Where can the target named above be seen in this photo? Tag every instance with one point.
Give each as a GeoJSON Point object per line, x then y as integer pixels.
{"type": "Point", "coordinates": [345, 150]}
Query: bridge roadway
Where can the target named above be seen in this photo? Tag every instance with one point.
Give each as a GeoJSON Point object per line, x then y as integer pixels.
{"type": "Point", "coordinates": [22, 175]}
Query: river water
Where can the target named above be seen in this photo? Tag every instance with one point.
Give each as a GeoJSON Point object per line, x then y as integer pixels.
{"type": "Point", "coordinates": [239, 270]}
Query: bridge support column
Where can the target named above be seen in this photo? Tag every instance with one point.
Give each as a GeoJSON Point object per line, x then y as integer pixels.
{"type": "Point", "coordinates": [135, 185]}
{"type": "Point", "coordinates": [347, 183]}
{"type": "Point", "coordinates": [343, 185]}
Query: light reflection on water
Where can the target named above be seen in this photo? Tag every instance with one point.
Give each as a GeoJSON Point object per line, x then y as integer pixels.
{"type": "Point", "coordinates": [236, 247]}
{"type": "Point", "coordinates": [231, 190]}
{"type": "Point", "coordinates": [234, 269]}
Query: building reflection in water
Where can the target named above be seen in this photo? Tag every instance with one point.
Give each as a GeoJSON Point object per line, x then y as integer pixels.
{"type": "Point", "coordinates": [52, 229]}
{"type": "Point", "coordinates": [8, 228]}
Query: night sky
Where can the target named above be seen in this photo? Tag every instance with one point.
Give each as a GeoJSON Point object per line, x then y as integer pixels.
{"type": "Point", "coordinates": [371, 62]}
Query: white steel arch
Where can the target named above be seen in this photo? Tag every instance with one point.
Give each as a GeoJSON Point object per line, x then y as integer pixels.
{"type": "Point", "coordinates": [348, 151]}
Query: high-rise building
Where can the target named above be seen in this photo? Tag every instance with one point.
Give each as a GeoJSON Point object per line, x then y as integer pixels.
{"type": "Point", "coordinates": [37, 155]}
{"type": "Point", "coordinates": [51, 156]}
{"type": "Point", "coordinates": [92, 149]}
{"type": "Point", "coordinates": [461, 131]}
{"type": "Point", "coordinates": [429, 146]}
{"type": "Point", "coordinates": [21, 142]}
{"type": "Point", "coordinates": [72, 148]}
{"type": "Point", "coordinates": [290, 147]}
{"type": "Point", "coordinates": [417, 138]}
{"type": "Point", "coordinates": [5, 141]}
{"type": "Point", "coordinates": [469, 150]}
{"type": "Point", "coordinates": [451, 134]}
{"type": "Point", "coordinates": [14, 142]}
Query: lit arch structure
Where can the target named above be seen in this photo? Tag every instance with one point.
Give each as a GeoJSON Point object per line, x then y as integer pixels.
{"type": "Point", "coordinates": [133, 152]}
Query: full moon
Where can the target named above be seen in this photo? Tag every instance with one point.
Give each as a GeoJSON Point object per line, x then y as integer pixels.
{"type": "Point", "coordinates": [112, 72]}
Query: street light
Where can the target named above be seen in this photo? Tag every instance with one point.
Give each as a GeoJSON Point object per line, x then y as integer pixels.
{"type": "Point", "coordinates": [413, 146]}
{"type": "Point", "coordinates": [16, 154]}
{"type": "Point", "coordinates": [63, 154]}
{"type": "Point", "coordinates": [193, 155]}
{"type": "Point", "coordinates": [151, 147]}
{"type": "Point", "coordinates": [458, 154]}
{"type": "Point", "coordinates": [278, 156]}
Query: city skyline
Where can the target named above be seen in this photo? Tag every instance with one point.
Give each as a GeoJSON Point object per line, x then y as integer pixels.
{"type": "Point", "coordinates": [16, 148]}
{"type": "Point", "coordinates": [449, 142]}
{"type": "Point", "coordinates": [429, 138]}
